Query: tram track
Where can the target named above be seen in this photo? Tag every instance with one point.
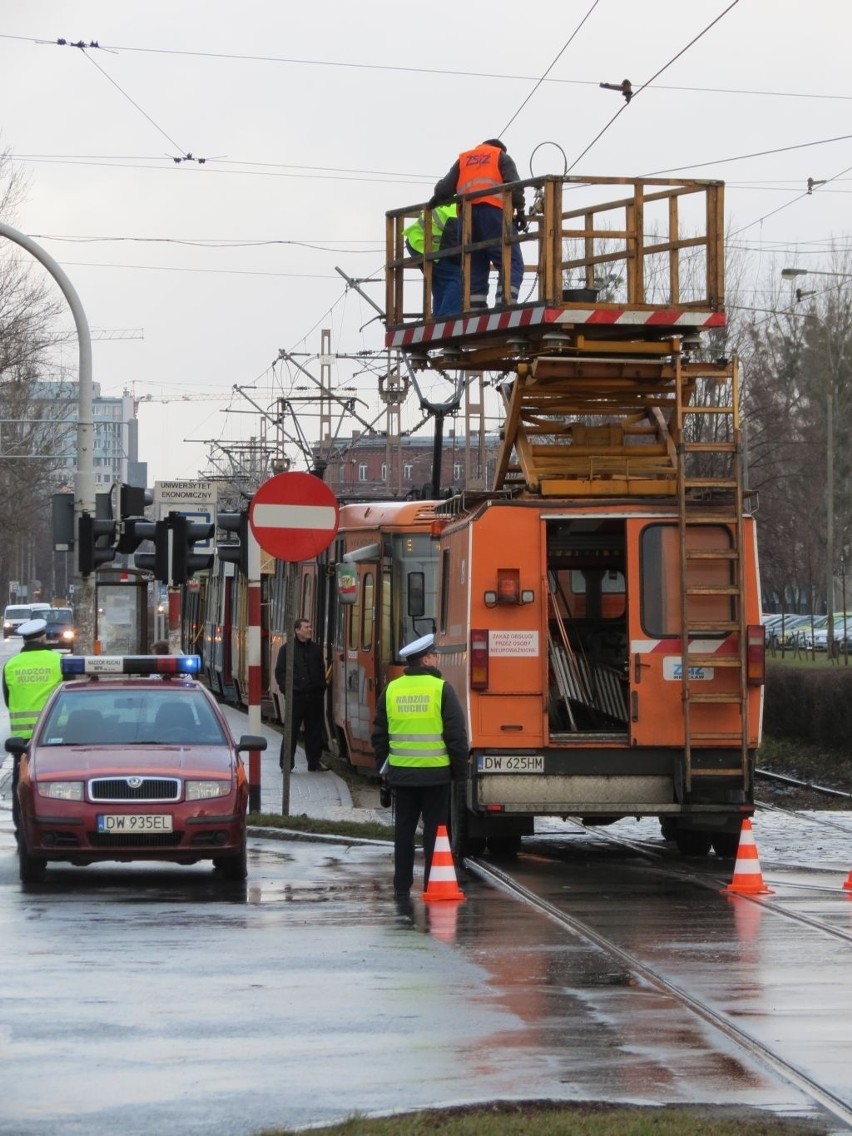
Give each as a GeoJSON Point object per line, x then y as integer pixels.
{"type": "Point", "coordinates": [784, 1066]}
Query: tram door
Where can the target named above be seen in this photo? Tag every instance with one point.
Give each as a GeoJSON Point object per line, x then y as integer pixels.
{"type": "Point", "coordinates": [356, 699]}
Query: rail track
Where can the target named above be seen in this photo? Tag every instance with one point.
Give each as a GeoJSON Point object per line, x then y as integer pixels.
{"type": "Point", "coordinates": [815, 915]}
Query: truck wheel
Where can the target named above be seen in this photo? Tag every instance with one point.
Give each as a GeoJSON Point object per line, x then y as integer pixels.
{"type": "Point", "coordinates": [726, 844]}
{"type": "Point", "coordinates": [461, 842]}
{"type": "Point", "coordinates": [504, 847]}
{"type": "Point", "coordinates": [668, 828]}
{"type": "Point", "coordinates": [691, 842]}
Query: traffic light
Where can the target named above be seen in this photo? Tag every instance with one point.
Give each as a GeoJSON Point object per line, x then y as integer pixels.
{"type": "Point", "coordinates": [156, 531]}
{"type": "Point", "coordinates": [96, 544]}
{"type": "Point", "coordinates": [236, 551]}
{"type": "Point", "coordinates": [185, 535]}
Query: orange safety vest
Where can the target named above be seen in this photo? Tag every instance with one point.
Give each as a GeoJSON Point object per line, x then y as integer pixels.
{"type": "Point", "coordinates": [480, 169]}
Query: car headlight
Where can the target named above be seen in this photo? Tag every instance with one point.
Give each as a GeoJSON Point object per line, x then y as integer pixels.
{"type": "Point", "coordinates": [204, 790]}
{"type": "Point", "coordinates": [61, 790]}
{"type": "Point", "coordinates": [68, 635]}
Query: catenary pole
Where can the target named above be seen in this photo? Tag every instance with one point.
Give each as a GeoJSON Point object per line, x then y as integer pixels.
{"type": "Point", "coordinates": [84, 478]}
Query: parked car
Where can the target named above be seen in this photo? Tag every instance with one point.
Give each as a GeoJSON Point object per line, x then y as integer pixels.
{"type": "Point", "coordinates": [13, 617]}
{"type": "Point", "coordinates": [60, 630]}
{"type": "Point", "coordinates": [132, 759]}
{"type": "Point", "coordinates": [789, 630]}
{"type": "Point", "coordinates": [820, 635]}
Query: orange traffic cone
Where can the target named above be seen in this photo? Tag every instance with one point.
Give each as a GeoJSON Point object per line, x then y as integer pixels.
{"type": "Point", "coordinates": [848, 881]}
{"type": "Point", "coordinates": [442, 874]}
{"type": "Point", "coordinates": [748, 878]}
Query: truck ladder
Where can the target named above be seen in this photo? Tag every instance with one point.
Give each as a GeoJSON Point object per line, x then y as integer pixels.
{"type": "Point", "coordinates": [710, 493]}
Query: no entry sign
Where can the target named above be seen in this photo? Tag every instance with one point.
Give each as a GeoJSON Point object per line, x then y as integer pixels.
{"type": "Point", "coordinates": [294, 516]}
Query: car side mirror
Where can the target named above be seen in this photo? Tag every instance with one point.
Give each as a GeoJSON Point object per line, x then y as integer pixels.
{"type": "Point", "coordinates": [247, 742]}
{"type": "Point", "coordinates": [16, 745]}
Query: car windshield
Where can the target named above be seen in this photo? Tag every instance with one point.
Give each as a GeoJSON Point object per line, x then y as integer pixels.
{"type": "Point", "coordinates": [59, 615]}
{"type": "Point", "coordinates": [120, 716]}
{"type": "Point", "coordinates": [17, 613]}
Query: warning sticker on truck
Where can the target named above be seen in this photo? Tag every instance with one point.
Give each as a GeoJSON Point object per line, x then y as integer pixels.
{"type": "Point", "coordinates": [513, 643]}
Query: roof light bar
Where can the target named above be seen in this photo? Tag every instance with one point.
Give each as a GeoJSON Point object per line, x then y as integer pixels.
{"type": "Point", "coordinates": [73, 665]}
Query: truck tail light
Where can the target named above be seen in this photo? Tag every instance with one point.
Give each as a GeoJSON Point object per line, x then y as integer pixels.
{"type": "Point", "coordinates": [755, 655]}
{"type": "Point", "coordinates": [479, 659]}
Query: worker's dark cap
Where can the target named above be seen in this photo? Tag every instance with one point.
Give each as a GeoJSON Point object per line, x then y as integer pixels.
{"type": "Point", "coordinates": [495, 142]}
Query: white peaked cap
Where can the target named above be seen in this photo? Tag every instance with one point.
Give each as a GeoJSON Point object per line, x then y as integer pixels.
{"type": "Point", "coordinates": [32, 628]}
{"type": "Point", "coordinates": [419, 647]}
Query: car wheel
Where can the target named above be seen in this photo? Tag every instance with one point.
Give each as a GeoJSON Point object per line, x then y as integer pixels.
{"type": "Point", "coordinates": [32, 869]}
{"type": "Point", "coordinates": [233, 868]}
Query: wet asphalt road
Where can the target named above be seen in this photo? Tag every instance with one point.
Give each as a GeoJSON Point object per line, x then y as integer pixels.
{"type": "Point", "coordinates": [146, 1000]}
{"type": "Point", "coordinates": [150, 999]}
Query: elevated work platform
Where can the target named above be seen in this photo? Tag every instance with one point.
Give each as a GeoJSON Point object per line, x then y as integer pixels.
{"type": "Point", "coordinates": [635, 268]}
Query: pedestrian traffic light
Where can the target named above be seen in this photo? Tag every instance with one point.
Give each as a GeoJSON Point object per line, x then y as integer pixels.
{"type": "Point", "coordinates": [235, 551]}
{"type": "Point", "coordinates": [96, 543]}
{"type": "Point", "coordinates": [158, 532]}
{"type": "Point", "coordinates": [185, 535]}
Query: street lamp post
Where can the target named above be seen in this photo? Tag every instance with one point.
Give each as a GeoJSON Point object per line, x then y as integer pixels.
{"type": "Point", "coordinates": [84, 480]}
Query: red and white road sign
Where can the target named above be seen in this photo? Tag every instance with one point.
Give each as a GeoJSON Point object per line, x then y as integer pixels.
{"type": "Point", "coordinates": [294, 516]}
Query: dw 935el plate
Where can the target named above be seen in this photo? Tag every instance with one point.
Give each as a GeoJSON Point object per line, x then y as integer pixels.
{"type": "Point", "coordinates": [510, 763]}
{"type": "Point", "coordinates": [134, 822]}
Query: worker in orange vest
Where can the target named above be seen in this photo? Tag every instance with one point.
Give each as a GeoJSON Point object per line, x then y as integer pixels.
{"type": "Point", "coordinates": [486, 166]}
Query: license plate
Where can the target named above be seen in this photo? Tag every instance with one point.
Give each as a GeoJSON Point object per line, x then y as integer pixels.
{"type": "Point", "coordinates": [134, 822]}
{"type": "Point", "coordinates": [510, 763]}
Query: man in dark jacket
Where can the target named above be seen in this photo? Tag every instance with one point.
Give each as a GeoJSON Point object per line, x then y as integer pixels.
{"type": "Point", "coordinates": [420, 742]}
{"type": "Point", "coordinates": [486, 166]}
{"type": "Point", "coordinates": [308, 690]}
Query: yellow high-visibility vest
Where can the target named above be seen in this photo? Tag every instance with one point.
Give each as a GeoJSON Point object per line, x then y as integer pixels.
{"type": "Point", "coordinates": [30, 678]}
{"type": "Point", "coordinates": [415, 725]}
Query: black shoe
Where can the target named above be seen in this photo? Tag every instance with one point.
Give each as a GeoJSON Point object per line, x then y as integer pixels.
{"type": "Point", "coordinates": [402, 894]}
{"type": "Point", "coordinates": [320, 767]}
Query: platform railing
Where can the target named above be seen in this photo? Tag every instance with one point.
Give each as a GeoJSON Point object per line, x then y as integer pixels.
{"type": "Point", "coordinates": [660, 244]}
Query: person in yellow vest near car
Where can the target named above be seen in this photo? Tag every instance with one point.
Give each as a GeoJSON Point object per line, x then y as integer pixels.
{"type": "Point", "coordinates": [420, 743]}
{"type": "Point", "coordinates": [446, 270]}
{"type": "Point", "coordinates": [28, 680]}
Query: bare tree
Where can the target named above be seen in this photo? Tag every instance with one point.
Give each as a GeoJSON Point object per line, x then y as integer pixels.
{"type": "Point", "coordinates": [33, 428]}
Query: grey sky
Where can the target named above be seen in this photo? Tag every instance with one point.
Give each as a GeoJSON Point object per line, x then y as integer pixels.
{"type": "Point", "coordinates": [313, 124]}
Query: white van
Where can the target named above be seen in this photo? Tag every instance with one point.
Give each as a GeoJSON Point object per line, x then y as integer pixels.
{"type": "Point", "coordinates": [13, 617]}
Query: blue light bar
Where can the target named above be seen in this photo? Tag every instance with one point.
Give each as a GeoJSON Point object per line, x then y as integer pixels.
{"type": "Point", "coordinates": [75, 665]}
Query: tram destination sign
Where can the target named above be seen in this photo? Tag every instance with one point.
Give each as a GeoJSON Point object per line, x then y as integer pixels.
{"type": "Point", "coordinates": [294, 516]}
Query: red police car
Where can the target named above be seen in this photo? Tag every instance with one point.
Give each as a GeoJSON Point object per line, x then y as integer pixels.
{"type": "Point", "coordinates": [132, 759]}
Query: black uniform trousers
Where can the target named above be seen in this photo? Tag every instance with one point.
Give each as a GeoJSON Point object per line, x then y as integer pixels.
{"type": "Point", "coordinates": [307, 715]}
{"type": "Point", "coordinates": [410, 801]}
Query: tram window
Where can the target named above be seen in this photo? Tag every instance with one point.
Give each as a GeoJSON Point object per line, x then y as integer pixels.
{"type": "Point", "coordinates": [368, 611]}
{"type": "Point", "coordinates": [660, 559]}
{"type": "Point", "coordinates": [416, 594]}
{"type": "Point", "coordinates": [355, 621]}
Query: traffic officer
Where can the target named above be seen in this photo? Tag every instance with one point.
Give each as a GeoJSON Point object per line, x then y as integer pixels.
{"type": "Point", "coordinates": [420, 743]}
{"type": "Point", "coordinates": [28, 679]}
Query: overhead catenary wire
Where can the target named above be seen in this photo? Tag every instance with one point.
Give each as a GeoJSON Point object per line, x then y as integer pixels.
{"type": "Point", "coordinates": [415, 70]}
{"type": "Point", "coordinates": [648, 82]}
{"type": "Point", "coordinates": [553, 63]}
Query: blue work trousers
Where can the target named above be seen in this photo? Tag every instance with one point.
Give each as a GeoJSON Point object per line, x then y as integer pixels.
{"type": "Point", "coordinates": [487, 223]}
